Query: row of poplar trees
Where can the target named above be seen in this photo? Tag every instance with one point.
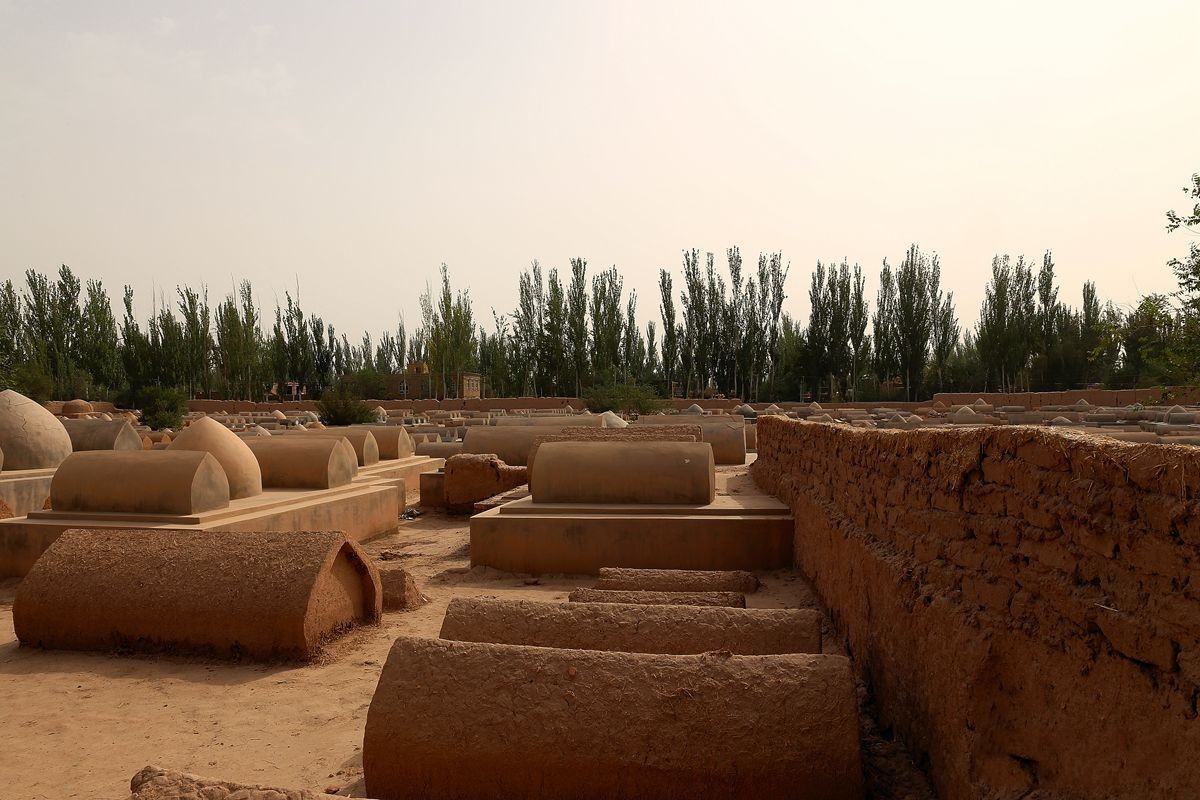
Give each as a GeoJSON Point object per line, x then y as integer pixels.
{"type": "Point", "coordinates": [716, 331]}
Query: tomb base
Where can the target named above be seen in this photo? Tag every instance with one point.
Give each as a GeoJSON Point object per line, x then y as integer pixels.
{"type": "Point", "coordinates": [743, 531]}
{"type": "Point", "coordinates": [360, 510]}
{"type": "Point", "coordinates": [25, 490]}
{"type": "Point", "coordinates": [407, 471]}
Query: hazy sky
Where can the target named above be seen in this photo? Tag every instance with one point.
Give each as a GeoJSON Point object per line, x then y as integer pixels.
{"type": "Point", "coordinates": [355, 146]}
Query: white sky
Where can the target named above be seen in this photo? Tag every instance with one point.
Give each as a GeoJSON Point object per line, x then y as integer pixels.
{"type": "Point", "coordinates": [356, 146]}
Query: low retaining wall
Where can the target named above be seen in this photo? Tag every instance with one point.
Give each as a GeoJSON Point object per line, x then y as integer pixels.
{"type": "Point", "coordinates": [1022, 604]}
{"type": "Point", "coordinates": [637, 597]}
{"type": "Point", "coordinates": [675, 629]}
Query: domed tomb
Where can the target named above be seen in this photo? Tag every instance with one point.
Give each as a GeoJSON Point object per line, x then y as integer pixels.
{"type": "Point", "coordinates": [239, 463]}
{"type": "Point", "coordinates": [30, 436]}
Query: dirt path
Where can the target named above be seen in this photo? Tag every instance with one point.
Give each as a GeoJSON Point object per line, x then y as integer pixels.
{"type": "Point", "coordinates": [79, 725]}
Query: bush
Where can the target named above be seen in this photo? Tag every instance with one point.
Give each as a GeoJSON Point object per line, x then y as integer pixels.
{"type": "Point", "coordinates": [31, 381]}
{"type": "Point", "coordinates": [366, 383]}
{"type": "Point", "coordinates": [623, 398]}
{"type": "Point", "coordinates": [341, 406]}
{"type": "Point", "coordinates": [162, 407]}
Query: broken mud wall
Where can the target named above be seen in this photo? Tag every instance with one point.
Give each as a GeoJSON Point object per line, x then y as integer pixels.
{"type": "Point", "coordinates": [1024, 605]}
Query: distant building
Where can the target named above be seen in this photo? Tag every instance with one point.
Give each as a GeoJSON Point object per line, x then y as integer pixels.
{"type": "Point", "coordinates": [418, 383]}
{"type": "Point", "coordinates": [289, 391]}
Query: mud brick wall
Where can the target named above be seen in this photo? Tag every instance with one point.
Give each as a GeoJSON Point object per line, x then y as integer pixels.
{"type": "Point", "coordinates": [1024, 605]}
{"type": "Point", "coordinates": [1097, 397]}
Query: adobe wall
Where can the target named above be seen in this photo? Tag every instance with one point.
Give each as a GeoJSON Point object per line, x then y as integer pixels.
{"type": "Point", "coordinates": [484, 404]}
{"type": "Point", "coordinates": [1096, 397]}
{"type": "Point", "coordinates": [1024, 605]}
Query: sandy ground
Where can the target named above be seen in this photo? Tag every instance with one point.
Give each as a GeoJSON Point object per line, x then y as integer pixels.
{"type": "Point", "coordinates": [79, 725]}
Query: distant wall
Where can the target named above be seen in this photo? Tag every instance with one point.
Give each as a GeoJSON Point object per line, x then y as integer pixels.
{"type": "Point", "coordinates": [484, 404]}
{"type": "Point", "coordinates": [1096, 397]}
{"type": "Point", "coordinates": [1024, 605]}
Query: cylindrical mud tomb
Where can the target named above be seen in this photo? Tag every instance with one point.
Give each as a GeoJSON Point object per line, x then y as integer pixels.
{"type": "Point", "coordinates": [632, 628]}
{"type": "Point", "coordinates": [581, 420]}
{"type": "Point", "coordinates": [726, 434]}
{"type": "Point", "coordinates": [303, 462]}
{"type": "Point", "coordinates": [677, 580]}
{"type": "Point", "coordinates": [262, 594]}
{"type": "Point", "coordinates": [98, 434]}
{"type": "Point", "coordinates": [393, 441]}
{"type": "Point", "coordinates": [596, 725]}
{"type": "Point", "coordinates": [176, 482]}
{"type": "Point", "coordinates": [728, 440]}
{"type": "Point", "coordinates": [511, 444]}
{"type": "Point", "coordinates": [366, 447]}
{"type": "Point", "coordinates": [677, 473]}
{"type": "Point", "coordinates": [725, 599]}
{"type": "Point", "coordinates": [439, 449]}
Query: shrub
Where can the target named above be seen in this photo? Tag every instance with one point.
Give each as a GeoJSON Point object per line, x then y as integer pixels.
{"type": "Point", "coordinates": [368, 382]}
{"type": "Point", "coordinates": [627, 398]}
{"type": "Point", "coordinates": [31, 381]}
{"type": "Point", "coordinates": [162, 407]}
{"type": "Point", "coordinates": [340, 406]}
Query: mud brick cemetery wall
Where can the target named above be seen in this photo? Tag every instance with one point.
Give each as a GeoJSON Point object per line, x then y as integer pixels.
{"type": "Point", "coordinates": [1024, 605]}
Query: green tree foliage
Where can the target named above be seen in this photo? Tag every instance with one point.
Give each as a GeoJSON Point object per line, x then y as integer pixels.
{"type": "Point", "coordinates": [607, 323]}
{"type": "Point", "coordinates": [627, 398]}
{"type": "Point", "coordinates": [99, 345]}
{"type": "Point", "coordinates": [162, 407]}
{"type": "Point", "coordinates": [670, 344]}
{"type": "Point", "coordinates": [577, 323]}
{"type": "Point", "coordinates": [343, 406]}
{"type": "Point", "coordinates": [719, 331]}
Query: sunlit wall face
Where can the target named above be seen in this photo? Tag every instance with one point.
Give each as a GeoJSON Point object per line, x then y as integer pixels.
{"type": "Point", "coordinates": [351, 149]}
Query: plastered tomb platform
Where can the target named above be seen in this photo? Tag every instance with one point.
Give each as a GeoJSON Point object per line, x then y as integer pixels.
{"type": "Point", "coordinates": [401, 470]}
{"type": "Point", "coordinates": [25, 490]}
{"type": "Point", "coordinates": [736, 531]}
{"type": "Point", "coordinates": [361, 510]}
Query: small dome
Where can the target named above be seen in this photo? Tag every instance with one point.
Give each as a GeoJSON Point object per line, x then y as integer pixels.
{"type": "Point", "coordinates": [72, 407]}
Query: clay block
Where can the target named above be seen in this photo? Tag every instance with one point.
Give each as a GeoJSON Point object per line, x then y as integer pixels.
{"type": "Point", "coordinates": [155, 783]}
{"type": "Point", "coordinates": [400, 591]}
{"type": "Point", "coordinates": [633, 628]}
{"type": "Point", "coordinates": [726, 599]}
{"type": "Point", "coordinates": [263, 594]}
{"type": "Point", "coordinates": [592, 725]}
{"type": "Point", "coordinates": [433, 489]}
{"type": "Point", "coordinates": [677, 580]}
{"type": "Point", "coordinates": [471, 477]}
